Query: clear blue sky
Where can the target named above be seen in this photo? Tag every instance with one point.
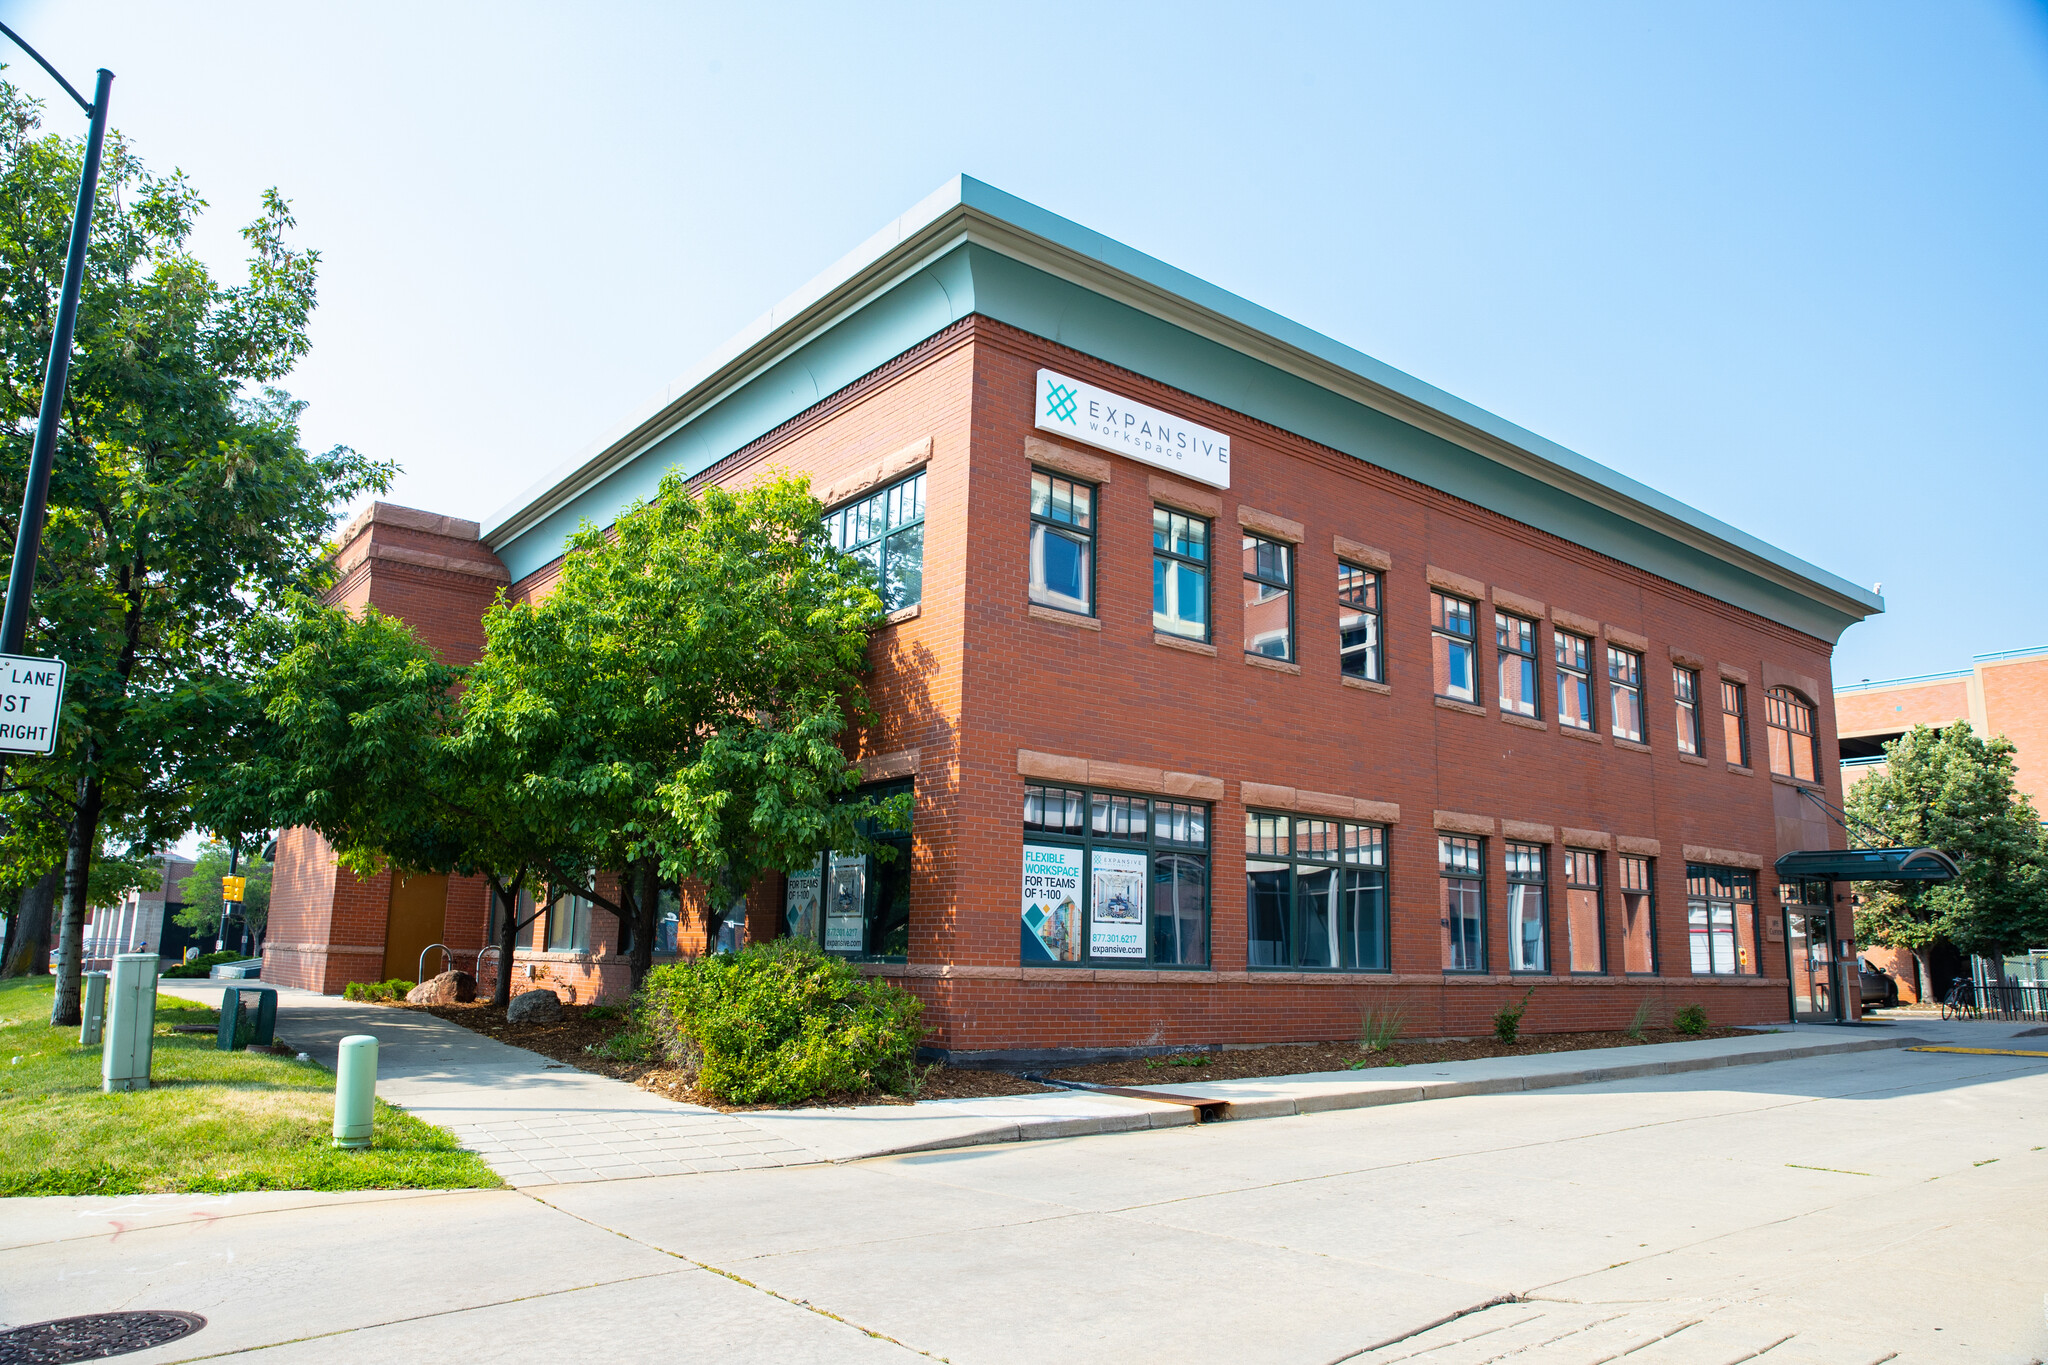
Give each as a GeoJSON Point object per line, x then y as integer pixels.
{"type": "Point", "coordinates": [1787, 262]}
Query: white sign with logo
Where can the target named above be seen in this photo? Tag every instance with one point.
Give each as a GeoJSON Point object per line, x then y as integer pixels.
{"type": "Point", "coordinates": [1111, 422]}
{"type": "Point", "coordinates": [846, 903]}
{"type": "Point", "coordinates": [31, 691]}
{"type": "Point", "coordinates": [1116, 911]}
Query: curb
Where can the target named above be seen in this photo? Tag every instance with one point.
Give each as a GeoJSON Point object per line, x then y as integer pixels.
{"type": "Point", "coordinates": [1281, 1106]}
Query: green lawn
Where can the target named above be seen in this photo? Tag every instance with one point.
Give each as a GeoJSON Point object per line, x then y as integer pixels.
{"type": "Point", "coordinates": [213, 1122]}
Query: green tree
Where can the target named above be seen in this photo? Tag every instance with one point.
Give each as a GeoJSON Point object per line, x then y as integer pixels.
{"type": "Point", "coordinates": [1953, 790]}
{"type": "Point", "coordinates": [201, 891]}
{"type": "Point", "coordinates": [680, 699]}
{"type": "Point", "coordinates": [182, 503]}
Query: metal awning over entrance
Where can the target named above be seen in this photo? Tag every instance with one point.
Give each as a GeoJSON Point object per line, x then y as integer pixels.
{"type": "Point", "coordinates": [1868, 865]}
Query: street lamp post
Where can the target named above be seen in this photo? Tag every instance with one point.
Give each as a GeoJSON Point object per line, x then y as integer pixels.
{"type": "Point", "coordinates": [28, 539]}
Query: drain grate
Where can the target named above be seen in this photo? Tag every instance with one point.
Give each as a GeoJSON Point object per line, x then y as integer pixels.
{"type": "Point", "coordinates": [93, 1337]}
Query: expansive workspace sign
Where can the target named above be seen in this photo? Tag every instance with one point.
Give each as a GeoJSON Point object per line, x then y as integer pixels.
{"type": "Point", "coordinates": [1111, 422]}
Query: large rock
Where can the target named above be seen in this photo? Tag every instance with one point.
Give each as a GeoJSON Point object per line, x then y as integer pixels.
{"type": "Point", "coordinates": [449, 988]}
{"type": "Point", "coordinates": [534, 1007]}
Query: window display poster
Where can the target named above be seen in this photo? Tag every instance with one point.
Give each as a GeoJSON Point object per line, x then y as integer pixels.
{"type": "Point", "coordinates": [800, 902]}
{"type": "Point", "coordinates": [846, 905]}
{"type": "Point", "coordinates": [1116, 921]}
{"type": "Point", "coordinates": [1052, 904]}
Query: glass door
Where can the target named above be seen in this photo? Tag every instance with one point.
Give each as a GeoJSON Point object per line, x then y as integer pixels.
{"type": "Point", "coordinates": [1809, 950]}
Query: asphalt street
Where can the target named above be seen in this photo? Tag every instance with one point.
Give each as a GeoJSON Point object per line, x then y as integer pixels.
{"type": "Point", "coordinates": [1860, 1208]}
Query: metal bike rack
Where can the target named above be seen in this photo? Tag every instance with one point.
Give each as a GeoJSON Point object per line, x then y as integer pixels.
{"type": "Point", "coordinates": [447, 960]}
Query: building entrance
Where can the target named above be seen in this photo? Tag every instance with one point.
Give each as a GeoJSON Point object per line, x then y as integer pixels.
{"type": "Point", "coordinates": [1811, 965]}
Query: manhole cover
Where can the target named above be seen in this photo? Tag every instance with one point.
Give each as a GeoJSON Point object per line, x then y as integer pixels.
{"type": "Point", "coordinates": [93, 1337]}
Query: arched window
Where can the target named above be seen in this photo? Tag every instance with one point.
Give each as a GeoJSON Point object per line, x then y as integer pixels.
{"type": "Point", "coordinates": [1788, 717]}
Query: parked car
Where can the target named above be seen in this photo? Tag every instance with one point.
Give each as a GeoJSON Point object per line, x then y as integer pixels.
{"type": "Point", "coordinates": [1880, 988]}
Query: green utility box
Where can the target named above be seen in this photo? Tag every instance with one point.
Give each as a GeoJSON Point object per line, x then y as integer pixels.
{"type": "Point", "coordinates": [254, 1029]}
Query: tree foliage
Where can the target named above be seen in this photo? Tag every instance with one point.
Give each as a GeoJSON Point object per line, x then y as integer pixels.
{"type": "Point", "coordinates": [182, 504]}
{"type": "Point", "coordinates": [1952, 789]}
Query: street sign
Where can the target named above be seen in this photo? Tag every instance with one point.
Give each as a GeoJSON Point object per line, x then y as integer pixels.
{"type": "Point", "coordinates": [31, 692]}
{"type": "Point", "coordinates": [231, 888]}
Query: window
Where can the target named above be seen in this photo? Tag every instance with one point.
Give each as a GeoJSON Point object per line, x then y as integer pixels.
{"type": "Point", "coordinates": [1316, 893]}
{"type": "Point", "coordinates": [1516, 642]}
{"type": "Point", "coordinates": [569, 925]}
{"type": "Point", "coordinates": [1638, 916]}
{"type": "Point", "coordinates": [668, 906]}
{"type": "Point", "coordinates": [1625, 693]}
{"type": "Point", "coordinates": [1788, 723]}
{"type": "Point", "coordinates": [1358, 622]}
{"type": "Point", "coordinates": [1721, 918]}
{"type": "Point", "coordinates": [1462, 865]}
{"type": "Point", "coordinates": [1574, 680]}
{"type": "Point", "coordinates": [731, 933]}
{"type": "Point", "coordinates": [1180, 574]}
{"type": "Point", "coordinates": [1734, 723]}
{"type": "Point", "coordinates": [885, 531]}
{"type": "Point", "coordinates": [1527, 926]}
{"type": "Point", "coordinates": [1685, 688]}
{"type": "Point", "coordinates": [862, 900]}
{"type": "Point", "coordinates": [1062, 543]}
{"type": "Point", "coordinates": [1584, 922]}
{"type": "Point", "coordinates": [1450, 620]}
{"type": "Point", "coordinates": [1114, 881]}
{"type": "Point", "coordinates": [1268, 601]}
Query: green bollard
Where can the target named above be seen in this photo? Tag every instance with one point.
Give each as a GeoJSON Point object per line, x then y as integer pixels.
{"type": "Point", "coordinates": [131, 1023]}
{"type": "Point", "coordinates": [355, 1091]}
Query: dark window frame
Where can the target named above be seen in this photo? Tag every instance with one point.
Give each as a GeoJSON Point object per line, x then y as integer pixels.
{"type": "Point", "coordinates": [1739, 713]}
{"type": "Point", "coordinates": [1791, 702]}
{"type": "Point", "coordinates": [1510, 848]}
{"type": "Point", "coordinates": [1374, 653]}
{"type": "Point", "coordinates": [1470, 641]}
{"type": "Point", "coordinates": [1293, 572]}
{"type": "Point", "coordinates": [1206, 567]}
{"type": "Point", "coordinates": [1582, 674]}
{"type": "Point", "coordinates": [1649, 890]}
{"type": "Point", "coordinates": [1616, 686]}
{"type": "Point", "coordinates": [1054, 526]}
{"type": "Point", "coordinates": [1153, 847]}
{"type": "Point", "coordinates": [1701, 889]}
{"type": "Point", "coordinates": [1530, 657]}
{"type": "Point", "coordinates": [903, 841]}
{"type": "Point", "coordinates": [1336, 862]}
{"type": "Point", "coordinates": [840, 521]}
{"type": "Point", "coordinates": [1574, 858]}
{"type": "Point", "coordinates": [1685, 695]}
{"type": "Point", "coordinates": [1475, 873]}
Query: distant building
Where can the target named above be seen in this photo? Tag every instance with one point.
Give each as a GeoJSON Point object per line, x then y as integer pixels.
{"type": "Point", "coordinates": [143, 919]}
{"type": "Point", "coordinates": [1999, 694]}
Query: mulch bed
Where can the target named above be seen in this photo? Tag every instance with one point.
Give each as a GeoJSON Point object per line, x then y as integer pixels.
{"type": "Point", "coordinates": [1290, 1059]}
{"type": "Point", "coordinates": [570, 1039]}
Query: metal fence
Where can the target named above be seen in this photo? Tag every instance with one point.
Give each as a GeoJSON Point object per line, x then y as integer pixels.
{"type": "Point", "coordinates": [1975, 1000]}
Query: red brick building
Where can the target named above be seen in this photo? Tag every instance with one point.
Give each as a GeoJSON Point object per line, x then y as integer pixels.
{"type": "Point", "coordinates": [1240, 679]}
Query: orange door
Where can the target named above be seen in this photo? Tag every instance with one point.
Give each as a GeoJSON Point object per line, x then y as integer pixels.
{"type": "Point", "coordinates": [419, 911]}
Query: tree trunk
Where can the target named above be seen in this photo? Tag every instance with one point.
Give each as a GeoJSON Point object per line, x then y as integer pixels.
{"type": "Point", "coordinates": [647, 907]}
{"type": "Point", "coordinates": [1920, 975]}
{"type": "Point", "coordinates": [65, 1011]}
{"type": "Point", "coordinates": [509, 926]}
{"type": "Point", "coordinates": [28, 936]}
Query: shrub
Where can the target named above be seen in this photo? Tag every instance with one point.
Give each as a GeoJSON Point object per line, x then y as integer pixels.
{"type": "Point", "coordinates": [377, 992]}
{"type": "Point", "coordinates": [200, 966]}
{"type": "Point", "coordinates": [1691, 1020]}
{"type": "Point", "coordinates": [1380, 1024]}
{"type": "Point", "coordinates": [1507, 1020]}
{"type": "Point", "coordinates": [780, 1022]}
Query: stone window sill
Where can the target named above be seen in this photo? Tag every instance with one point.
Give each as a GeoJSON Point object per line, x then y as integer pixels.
{"type": "Point", "coordinates": [1785, 781]}
{"type": "Point", "coordinates": [910, 613]}
{"type": "Point", "coordinates": [1576, 733]}
{"type": "Point", "coordinates": [1452, 704]}
{"type": "Point", "coordinates": [1741, 771]}
{"type": "Point", "coordinates": [1072, 620]}
{"type": "Point", "coordinates": [1166, 641]}
{"type": "Point", "coordinates": [1621, 743]}
{"type": "Point", "coordinates": [1693, 759]}
{"type": "Point", "coordinates": [1526, 722]}
{"type": "Point", "coordinates": [1276, 665]}
{"type": "Point", "coordinates": [1365, 684]}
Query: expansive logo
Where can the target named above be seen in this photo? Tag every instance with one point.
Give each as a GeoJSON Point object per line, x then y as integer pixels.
{"type": "Point", "coordinates": [1142, 432]}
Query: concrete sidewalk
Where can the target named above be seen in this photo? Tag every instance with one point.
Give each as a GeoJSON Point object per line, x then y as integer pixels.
{"type": "Point", "coordinates": [541, 1122]}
